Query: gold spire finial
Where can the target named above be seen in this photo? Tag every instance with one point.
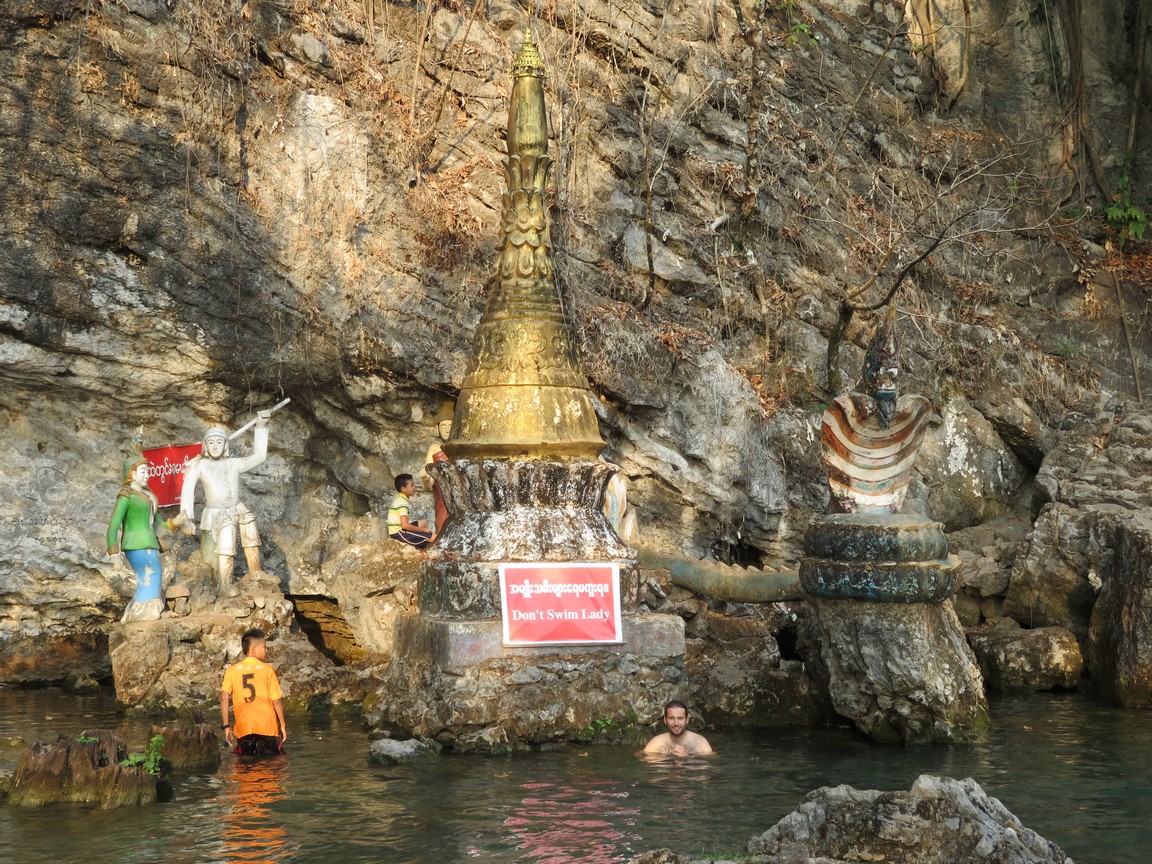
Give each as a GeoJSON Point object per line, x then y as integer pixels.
{"type": "Point", "coordinates": [528, 60]}
{"type": "Point", "coordinates": [524, 393]}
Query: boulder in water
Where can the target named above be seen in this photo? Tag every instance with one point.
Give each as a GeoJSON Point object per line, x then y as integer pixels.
{"type": "Point", "coordinates": [1017, 660]}
{"type": "Point", "coordinates": [939, 821]}
{"type": "Point", "coordinates": [193, 747]}
{"type": "Point", "coordinates": [85, 769]}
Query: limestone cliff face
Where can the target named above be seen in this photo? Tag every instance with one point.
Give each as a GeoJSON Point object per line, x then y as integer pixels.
{"type": "Point", "coordinates": [209, 206]}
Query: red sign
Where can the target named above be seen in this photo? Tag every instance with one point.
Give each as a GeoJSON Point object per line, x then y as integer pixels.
{"type": "Point", "coordinates": [560, 604]}
{"type": "Point", "coordinates": [166, 470]}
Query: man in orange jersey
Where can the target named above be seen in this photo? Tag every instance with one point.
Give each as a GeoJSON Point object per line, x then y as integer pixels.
{"type": "Point", "coordinates": [251, 689]}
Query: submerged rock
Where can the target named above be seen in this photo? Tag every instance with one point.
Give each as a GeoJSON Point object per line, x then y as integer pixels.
{"type": "Point", "coordinates": [389, 751]}
{"type": "Point", "coordinates": [86, 769]}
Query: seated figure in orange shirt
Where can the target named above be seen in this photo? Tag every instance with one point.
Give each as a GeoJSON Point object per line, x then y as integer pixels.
{"type": "Point", "coordinates": [252, 690]}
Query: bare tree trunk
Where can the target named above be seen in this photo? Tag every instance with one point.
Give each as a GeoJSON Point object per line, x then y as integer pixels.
{"type": "Point", "coordinates": [1141, 44]}
{"type": "Point", "coordinates": [1076, 116]}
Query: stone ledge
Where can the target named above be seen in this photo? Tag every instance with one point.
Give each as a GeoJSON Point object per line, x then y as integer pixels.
{"type": "Point", "coordinates": [456, 646]}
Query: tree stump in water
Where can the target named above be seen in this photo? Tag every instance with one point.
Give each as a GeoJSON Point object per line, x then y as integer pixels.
{"type": "Point", "coordinates": [193, 747]}
{"type": "Point", "coordinates": [85, 769]}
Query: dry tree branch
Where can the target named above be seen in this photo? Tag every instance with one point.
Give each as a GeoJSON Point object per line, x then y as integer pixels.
{"type": "Point", "coordinates": [980, 171]}
{"type": "Point", "coordinates": [423, 144]}
{"type": "Point", "coordinates": [422, 38]}
{"type": "Point", "coordinates": [892, 37]}
{"type": "Point", "coordinates": [848, 309]}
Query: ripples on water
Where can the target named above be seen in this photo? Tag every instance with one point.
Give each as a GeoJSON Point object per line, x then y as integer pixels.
{"type": "Point", "coordinates": [1071, 769]}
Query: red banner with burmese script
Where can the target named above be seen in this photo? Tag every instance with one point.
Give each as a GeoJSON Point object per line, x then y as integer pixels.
{"type": "Point", "coordinates": [560, 604]}
{"type": "Point", "coordinates": [166, 470]}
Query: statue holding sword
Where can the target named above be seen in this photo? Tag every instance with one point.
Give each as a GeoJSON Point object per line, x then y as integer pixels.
{"type": "Point", "coordinates": [218, 474]}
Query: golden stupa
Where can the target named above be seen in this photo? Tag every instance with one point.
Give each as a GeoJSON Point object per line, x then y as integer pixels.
{"type": "Point", "coordinates": [524, 393]}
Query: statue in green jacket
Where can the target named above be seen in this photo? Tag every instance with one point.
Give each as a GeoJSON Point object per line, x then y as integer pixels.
{"type": "Point", "coordinates": [132, 542]}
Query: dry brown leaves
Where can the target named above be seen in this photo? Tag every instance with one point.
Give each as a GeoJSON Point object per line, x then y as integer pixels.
{"type": "Point", "coordinates": [1134, 263]}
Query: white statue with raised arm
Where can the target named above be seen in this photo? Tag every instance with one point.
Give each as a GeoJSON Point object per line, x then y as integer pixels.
{"type": "Point", "coordinates": [224, 517]}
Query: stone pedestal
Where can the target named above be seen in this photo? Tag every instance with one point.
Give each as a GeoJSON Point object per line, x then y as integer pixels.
{"type": "Point", "coordinates": [453, 679]}
{"type": "Point", "coordinates": [897, 662]}
{"type": "Point", "coordinates": [456, 682]}
{"type": "Point", "coordinates": [504, 511]}
{"type": "Point", "coordinates": [879, 557]}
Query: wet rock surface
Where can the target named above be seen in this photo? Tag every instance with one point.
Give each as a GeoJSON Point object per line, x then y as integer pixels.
{"type": "Point", "coordinates": [744, 670]}
{"type": "Point", "coordinates": [902, 672]}
{"type": "Point", "coordinates": [940, 820]}
{"type": "Point", "coordinates": [1013, 659]}
{"type": "Point", "coordinates": [453, 681]}
{"type": "Point", "coordinates": [36, 658]}
{"type": "Point", "coordinates": [85, 769]}
{"type": "Point", "coordinates": [1119, 646]}
{"type": "Point", "coordinates": [388, 751]}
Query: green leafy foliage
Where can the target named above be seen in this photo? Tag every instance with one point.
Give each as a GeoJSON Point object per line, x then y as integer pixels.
{"type": "Point", "coordinates": [801, 32]}
{"type": "Point", "coordinates": [599, 725]}
{"type": "Point", "coordinates": [150, 760]}
{"type": "Point", "coordinates": [1128, 220]}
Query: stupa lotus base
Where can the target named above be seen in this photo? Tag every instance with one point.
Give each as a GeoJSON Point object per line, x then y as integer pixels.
{"type": "Point", "coordinates": [878, 557]}
{"type": "Point", "coordinates": [456, 682]}
{"type": "Point", "coordinates": [505, 511]}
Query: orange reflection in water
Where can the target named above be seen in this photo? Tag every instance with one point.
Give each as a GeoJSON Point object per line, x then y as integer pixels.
{"type": "Point", "coordinates": [557, 824]}
{"type": "Point", "coordinates": [251, 831]}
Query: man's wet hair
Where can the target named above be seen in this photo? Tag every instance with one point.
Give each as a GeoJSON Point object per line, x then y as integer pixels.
{"type": "Point", "coordinates": [675, 703]}
{"type": "Point", "coordinates": [401, 480]}
{"type": "Point", "coordinates": [249, 637]}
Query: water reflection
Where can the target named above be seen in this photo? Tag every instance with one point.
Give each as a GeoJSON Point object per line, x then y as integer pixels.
{"type": "Point", "coordinates": [1071, 769]}
{"type": "Point", "coordinates": [251, 830]}
{"type": "Point", "coordinates": [585, 820]}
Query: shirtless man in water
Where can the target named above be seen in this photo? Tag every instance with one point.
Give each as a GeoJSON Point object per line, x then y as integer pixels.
{"type": "Point", "coordinates": [678, 741]}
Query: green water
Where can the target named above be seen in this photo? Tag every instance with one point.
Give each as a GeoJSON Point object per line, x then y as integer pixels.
{"type": "Point", "coordinates": [1073, 770]}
